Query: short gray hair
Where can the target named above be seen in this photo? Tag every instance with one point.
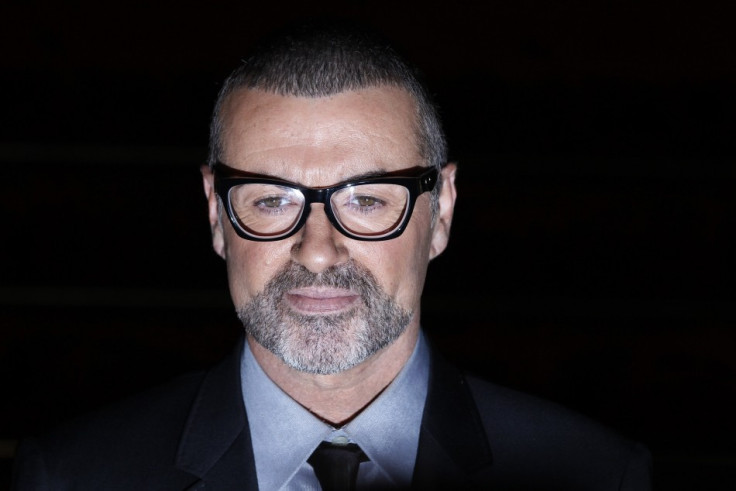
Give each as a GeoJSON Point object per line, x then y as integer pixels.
{"type": "Point", "coordinates": [319, 61]}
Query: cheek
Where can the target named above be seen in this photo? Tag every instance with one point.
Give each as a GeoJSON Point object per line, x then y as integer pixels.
{"type": "Point", "coordinates": [399, 265]}
{"type": "Point", "coordinates": [250, 265]}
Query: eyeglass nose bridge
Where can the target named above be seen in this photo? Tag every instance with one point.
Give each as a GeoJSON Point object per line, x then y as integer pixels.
{"type": "Point", "coordinates": [323, 196]}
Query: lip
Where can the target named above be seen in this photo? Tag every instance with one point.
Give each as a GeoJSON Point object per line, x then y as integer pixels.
{"type": "Point", "coordinates": [317, 300]}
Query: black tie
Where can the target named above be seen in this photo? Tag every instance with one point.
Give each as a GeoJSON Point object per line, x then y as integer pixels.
{"type": "Point", "coordinates": [336, 466]}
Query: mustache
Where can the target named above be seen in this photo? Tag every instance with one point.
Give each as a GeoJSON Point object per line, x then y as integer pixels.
{"type": "Point", "coordinates": [348, 276]}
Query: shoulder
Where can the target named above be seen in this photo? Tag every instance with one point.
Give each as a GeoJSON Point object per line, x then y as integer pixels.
{"type": "Point", "coordinates": [131, 440]}
{"type": "Point", "coordinates": [144, 442]}
{"type": "Point", "coordinates": [153, 412]}
{"type": "Point", "coordinates": [507, 411]}
{"type": "Point", "coordinates": [527, 433]}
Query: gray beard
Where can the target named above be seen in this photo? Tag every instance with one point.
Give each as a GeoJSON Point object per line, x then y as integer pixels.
{"type": "Point", "coordinates": [324, 344]}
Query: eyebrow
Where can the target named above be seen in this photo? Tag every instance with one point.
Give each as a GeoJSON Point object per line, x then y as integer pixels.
{"type": "Point", "coordinates": [366, 175]}
{"type": "Point", "coordinates": [356, 177]}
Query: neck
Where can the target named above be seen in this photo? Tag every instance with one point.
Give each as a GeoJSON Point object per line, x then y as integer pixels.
{"type": "Point", "coordinates": [339, 397]}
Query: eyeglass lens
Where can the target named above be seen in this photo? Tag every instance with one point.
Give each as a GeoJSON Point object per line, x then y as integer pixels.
{"type": "Point", "coordinates": [366, 210]}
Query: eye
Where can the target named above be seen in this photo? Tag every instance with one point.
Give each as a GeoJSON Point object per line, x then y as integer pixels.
{"type": "Point", "coordinates": [272, 202]}
{"type": "Point", "coordinates": [367, 201]}
{"type": "Point", "coordinates": [276, 205]}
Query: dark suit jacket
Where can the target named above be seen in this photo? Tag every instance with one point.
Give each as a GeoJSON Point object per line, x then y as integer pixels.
{"type": "Point", "coordinates": [193, 435]}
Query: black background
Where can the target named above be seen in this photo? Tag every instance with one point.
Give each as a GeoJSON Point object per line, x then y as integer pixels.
{"type": "Point", "coordinates": [591, 260]}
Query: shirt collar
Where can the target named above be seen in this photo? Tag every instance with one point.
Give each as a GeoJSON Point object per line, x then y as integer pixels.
{"type": "Point", "coordinates": [284, 433]}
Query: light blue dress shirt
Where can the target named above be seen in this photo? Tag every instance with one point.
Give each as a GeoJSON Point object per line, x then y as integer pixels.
{"type": "Point", "coordinates": [284, 434]}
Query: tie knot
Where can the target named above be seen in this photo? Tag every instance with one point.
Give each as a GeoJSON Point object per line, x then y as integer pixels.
{"type": "Point", "coordinates": [336, 466]}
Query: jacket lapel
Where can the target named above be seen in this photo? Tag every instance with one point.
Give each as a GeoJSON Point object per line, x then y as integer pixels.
{"type": "Point", "coordinates": [215, 444]}
{"type": "Point", "coordinates": [453, 447]}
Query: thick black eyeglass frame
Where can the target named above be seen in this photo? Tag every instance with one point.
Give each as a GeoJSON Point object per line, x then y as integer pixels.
{"type": "Point", "coordinates": [418, 181]}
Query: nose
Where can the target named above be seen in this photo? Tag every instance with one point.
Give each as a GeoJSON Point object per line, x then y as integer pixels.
{"type": "Point", "coordinates": [319, 245]}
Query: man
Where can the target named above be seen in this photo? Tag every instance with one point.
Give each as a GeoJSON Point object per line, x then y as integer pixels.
{"type": "Point", "coordinates": [328, 194]}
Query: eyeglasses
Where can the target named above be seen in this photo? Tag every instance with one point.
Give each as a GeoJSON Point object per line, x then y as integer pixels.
{"type": "Point", "coordinates": [264, 208]}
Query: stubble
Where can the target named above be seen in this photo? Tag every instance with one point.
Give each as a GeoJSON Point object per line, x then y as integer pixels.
{"type": "Point", "coordinates": [324, 344]}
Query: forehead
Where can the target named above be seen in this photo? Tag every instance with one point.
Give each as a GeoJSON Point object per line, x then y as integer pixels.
{"type": "Point", "coordinates": [320, 140]}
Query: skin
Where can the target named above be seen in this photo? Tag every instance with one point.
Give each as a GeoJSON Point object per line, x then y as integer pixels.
{"type": "Point", "coordinates": [320, 142]}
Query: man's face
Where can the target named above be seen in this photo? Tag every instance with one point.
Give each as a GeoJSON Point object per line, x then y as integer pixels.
{"type": "Point", "coordinates": [320, 301]}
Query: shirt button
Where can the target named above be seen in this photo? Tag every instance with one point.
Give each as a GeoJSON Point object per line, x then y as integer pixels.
{"type": "Point", "coordinates": [340, 440]}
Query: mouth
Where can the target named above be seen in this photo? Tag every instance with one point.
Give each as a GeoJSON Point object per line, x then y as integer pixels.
{"type": "Point", "coordinates": [321, 301]}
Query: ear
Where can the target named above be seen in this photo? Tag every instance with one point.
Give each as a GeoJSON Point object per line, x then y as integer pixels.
{"type": "Point", "coordinates": [218, 240]}
{"type": "Point", "coordinates": [448, 194]}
